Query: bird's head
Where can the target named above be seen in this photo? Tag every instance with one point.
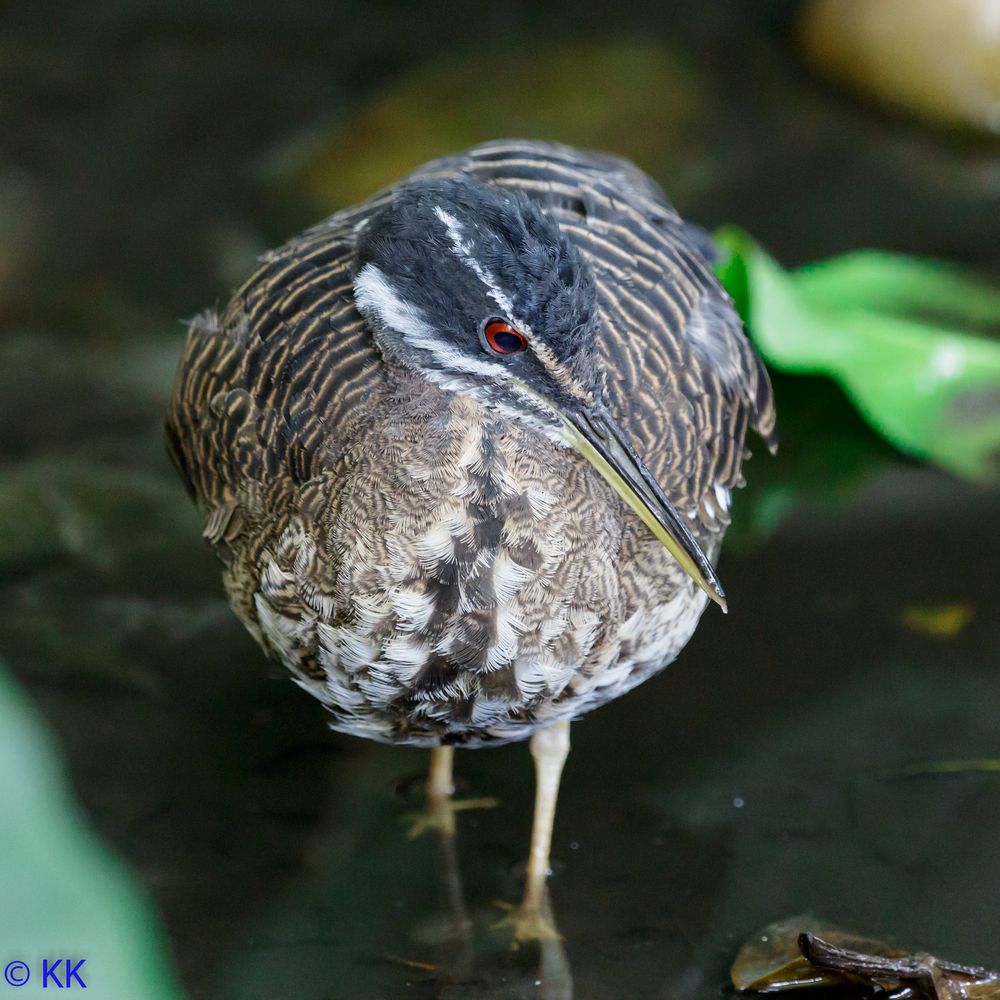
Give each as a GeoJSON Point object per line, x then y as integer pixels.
{"type": "Point", "coordinates": [479, 291]}
{"type": "Point", "coordinates": [476, 289]}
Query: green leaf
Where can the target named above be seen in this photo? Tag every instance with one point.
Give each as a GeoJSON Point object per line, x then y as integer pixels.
{"type": "Point", "coordinates": [64, 895]}
{"type": "Point", "coordinates": [903, 337]}
{"type": "Point", "coordinates": [895, 284]}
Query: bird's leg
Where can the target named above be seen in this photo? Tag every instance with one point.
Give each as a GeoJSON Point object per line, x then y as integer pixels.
{"type": "Point", "coordinates": [440, 788]}
{"type": "Point", "coordinates": [549, 747]}
{"type": "Point", "coordinates": [441, 781]}
{"type": "Point", "coordinates": [439, 811]}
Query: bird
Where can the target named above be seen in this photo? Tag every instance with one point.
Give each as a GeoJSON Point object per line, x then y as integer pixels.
{"type": "Point", "coordinates": [466, 451]}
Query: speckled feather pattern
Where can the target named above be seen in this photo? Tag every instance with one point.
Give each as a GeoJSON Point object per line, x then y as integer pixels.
{"type": "Point", "coordinates": [429, 568]}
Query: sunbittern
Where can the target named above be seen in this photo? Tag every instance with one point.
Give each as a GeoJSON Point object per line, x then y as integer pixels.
{"type": "Point", "coordinates": [466, 451]}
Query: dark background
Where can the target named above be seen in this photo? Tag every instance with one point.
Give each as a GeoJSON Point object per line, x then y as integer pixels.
{"type": "Point", "coordinates": [149, 153]}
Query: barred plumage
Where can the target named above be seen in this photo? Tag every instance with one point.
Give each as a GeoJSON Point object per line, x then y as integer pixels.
{"type": "Point", "coordinates": [432, 568]}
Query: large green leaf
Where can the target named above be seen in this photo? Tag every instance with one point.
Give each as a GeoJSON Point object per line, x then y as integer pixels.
{"type": "Point", "coordinates": [908, 340]}
{"type": "Point", "coordinates": [62, 895]}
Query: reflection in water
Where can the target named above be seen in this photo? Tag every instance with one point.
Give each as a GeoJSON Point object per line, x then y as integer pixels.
{"type": "Point", "coordinates": [542, 966]}
{"type": "Point", "coordinates": [553, 966]}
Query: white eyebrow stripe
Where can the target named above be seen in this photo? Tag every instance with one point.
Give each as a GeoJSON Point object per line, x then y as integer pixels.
{"type": "Point", "coordinates": [374, 294]}
{"type": "Point", "coordinates": [462, 250]}
{"type": "Point", "coordinates": [542, 351]}
{"type": "Point", "coordinates": [559, 371]}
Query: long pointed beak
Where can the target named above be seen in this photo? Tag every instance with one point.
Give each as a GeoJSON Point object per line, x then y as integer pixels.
{"type": "Point", "coordinates": [601, 442]}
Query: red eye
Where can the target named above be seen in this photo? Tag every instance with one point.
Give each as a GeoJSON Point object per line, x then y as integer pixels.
{"type": "Point", "coordinates": [503, 338]}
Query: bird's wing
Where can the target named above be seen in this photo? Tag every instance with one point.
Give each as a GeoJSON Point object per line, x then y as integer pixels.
{"type": "Point", "coordinates": [290, 359]}
{"type": "Point", "coordinates": [261, 386]}
{"type": "Point", "coordinates": [681, 375]}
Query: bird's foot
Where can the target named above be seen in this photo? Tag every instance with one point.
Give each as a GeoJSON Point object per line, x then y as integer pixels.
{"type": "Point", "coordinates": [527, 923]}
{"type": "Point", "coordinates": [439, 814]}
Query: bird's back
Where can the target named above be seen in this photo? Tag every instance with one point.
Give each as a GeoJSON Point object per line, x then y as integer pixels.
{"type": "Point", "coordinates": [682, 378]}
{"type": "Point", "coordinates": [278, 393]}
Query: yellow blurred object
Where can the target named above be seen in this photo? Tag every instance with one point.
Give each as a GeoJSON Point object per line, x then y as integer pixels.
{"type": "Point", "coordinates": [943, 621]}
{"type": "Point", "coordinates": [938, 58]}
{"type": "Point", "coordinates": [639, 99]}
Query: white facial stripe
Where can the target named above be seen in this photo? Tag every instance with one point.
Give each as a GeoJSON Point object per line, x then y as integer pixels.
{"type": "Point", "coordinates": [559, 371]}
{"type": "Point", "coordinates": [463, 252]}
{"type": "Point", "coordinates": [374, 295]}
{"type": "Point", "coordinates": [542, 351]}
{"type": "Point", "coordinates": [529, 417]}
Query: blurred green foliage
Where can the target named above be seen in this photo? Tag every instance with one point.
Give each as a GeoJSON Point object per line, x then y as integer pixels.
{"type": "Point", "coordinates": [64, 895]}
{"type": "Point", "coordinates": [903, 337]}
{"type": "Point", "coordinates": [827, 454]}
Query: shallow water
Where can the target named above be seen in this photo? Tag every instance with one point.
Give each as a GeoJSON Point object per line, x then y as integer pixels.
{"type": "Point", "coordinates": [761, 776]}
